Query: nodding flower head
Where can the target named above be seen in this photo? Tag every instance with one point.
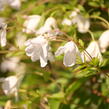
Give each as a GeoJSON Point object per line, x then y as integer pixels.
{"type": "Point", "coordinates": [31, 23]}
{"type": "Point", "coordinates": [10, 85]}
{"type": "Point", "coordinates": [38, 49]}
{"type": "Point", "coordinates": [70, 51]}
{"type": "Point", "coordinates": [92, 51]}
{"type": "Point", "coordinates": [16, 4]}
{"type": "Point", "coordinates": [49, 25]}
{"type": "Point", "coordinates": [104, 41]}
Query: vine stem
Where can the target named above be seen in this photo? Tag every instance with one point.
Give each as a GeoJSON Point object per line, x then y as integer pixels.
{"type": "Point", "coordinates": [102, 19]}
{"type": "Point", "coordinates": [91, 34]}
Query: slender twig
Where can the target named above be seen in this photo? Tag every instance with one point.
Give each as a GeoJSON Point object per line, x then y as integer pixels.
{"type": "Point", "coordinates": [102, 19]}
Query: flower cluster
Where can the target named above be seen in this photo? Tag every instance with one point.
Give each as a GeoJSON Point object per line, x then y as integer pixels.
{"type": "Point", "coordinates": [40, 46]}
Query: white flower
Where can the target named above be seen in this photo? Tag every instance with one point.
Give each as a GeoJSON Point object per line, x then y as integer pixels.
{"type": "Point", "coordinates": [2, 3]}
{"type": "Point", "coordinates": [70, 51]}
{"type": "Point", "coordinates": [16, 4]}
{"type": "Point", "coordinates": [92, 51]}
{"type": "Point", "coordinates": [104, 41]}
{"type": "Point", "coordinates": [43, 30]}
{"type": "Point", "coordinates": [37, 49]}
{"type": "Point", "coordinates": [10, 85]}
{"type": "Point", "coordinates": [10, 64]}
{"type": "Point", "coordinates": [83, 23]}
{"type": "Point", "coordinates": [3, 27]}
{"type": "Point", "coordinates": [74, 13]}
{"type": "Point", "coordinates": [51, 22]}
{"type": "Point", "coordinates": [67, 22]}
{"type": "Point", "coordinates": [31, 23]}
{"type": "Point", "coordinates": [49, 25]}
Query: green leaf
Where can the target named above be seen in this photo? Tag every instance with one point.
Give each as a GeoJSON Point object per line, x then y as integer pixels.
{"type": "Point", "coordinates": [59, 95]}
{"type": "Point", "coordinates": [54, 103]}
{"type": "Point", "coordinates": [75, 85]}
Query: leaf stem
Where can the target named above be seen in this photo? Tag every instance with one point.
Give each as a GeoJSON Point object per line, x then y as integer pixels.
{"type": "Point", "coordinates": [91, 34]}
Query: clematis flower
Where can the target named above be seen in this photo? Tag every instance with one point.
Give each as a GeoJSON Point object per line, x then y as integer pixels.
{"type": "Point", "coordinates": [49, 25]}
{"type": "Point", "coordinates": [31, 23]}
{"type": "Point", "coordinates": [2, 3]}
{"type": "Point", "coordinates": [83, 24]}
{"type": "Point", "coordinates": [16, 4]}
{"type": "Point", "coordinates": [37, 48]}
{"type": "Point", "coordinates": [9, 64]}
{"type": "Point", "coordinates": [92, 51]}
{"type": "Point", "coordinates": [70, 51]}
{"type": "Point", "coordinates": [104, 41]}
{"type": "Point", "coordinates": [3, 27]}
{"type": "Point", "coordinates": [10, 85]}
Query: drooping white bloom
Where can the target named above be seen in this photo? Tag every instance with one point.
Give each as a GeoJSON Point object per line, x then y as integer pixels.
{"type": "Point", "coordinates": [70, 51]}
{"type": "Point", "coordinates": [37, 49]}
{"type": "Point", "coordinates": [49, 25]}
{"type": "Point", "coordinates": [10, 64]}
{"type": "Point", "coordinates": [16, 4]}
{"type": "Point", "coordinates": [31, 23]}
{"type": "Point", "coordinates": [83, 23]}
{"type": "Point", "coordinates": [2, 3]}
{"type": "Point", "coordinates": [104, 41]}
{"type": "Point", "coordinates": [67, 21]}
{"type": "Point", "coordinates": [3, 27]}
{"type": "Point", "coordinates": [51, 22]}
{"type": "Point", "coordinates": [92, 51]}
{"type": "Point", "coordinates": [74, 13]}
{"type": "Point", "coordinates": [10, 85]}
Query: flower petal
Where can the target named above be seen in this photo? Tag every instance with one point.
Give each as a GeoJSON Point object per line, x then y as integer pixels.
{"type": "Point", "coordinates": [69, 58]}
{"type": "Point", "coordinates": [3, 38]}
{"type": "Point", "coordinates": [29, 50]}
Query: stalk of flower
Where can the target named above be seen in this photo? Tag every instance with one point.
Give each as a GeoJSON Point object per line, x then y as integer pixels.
{"type": "Point", "coordinates": [70, 51]}
{"type": "Point", "coordinates": [102, 19]}
{"type": "Point", "coordinates": [104, 41]}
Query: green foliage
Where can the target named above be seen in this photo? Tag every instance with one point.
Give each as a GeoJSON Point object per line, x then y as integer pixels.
{"type": "Point", "coordinates": [83, 86]}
